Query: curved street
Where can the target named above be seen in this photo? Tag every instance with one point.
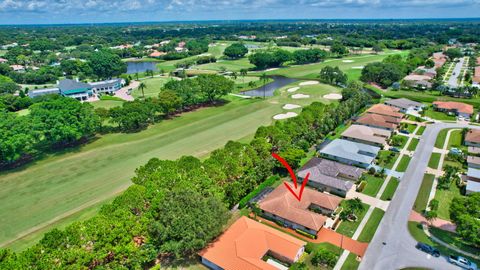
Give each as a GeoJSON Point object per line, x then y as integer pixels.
{"type": "Point", "coordinates": [392, 246]}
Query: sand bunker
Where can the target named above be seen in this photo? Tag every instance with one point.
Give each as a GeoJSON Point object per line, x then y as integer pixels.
{"type": "Point", "coordinates": [299, 96]}
{"type": "Point", "coordinates": [359, 67]}
{"type": "Point", "coordinates": [333, 96]}
{"type": "Point", "coordinates": [291, 106]}
{"type": "Point", "coordinates": [271, 69]}
{"type": "Point", "coordinates": [293, 89]}
{"type": "Point", "coordinates": [285, 115]}
{"type": "Point", "coordinates": [309, 83]}
{"type": "Point", "coordinates": [347, 61]}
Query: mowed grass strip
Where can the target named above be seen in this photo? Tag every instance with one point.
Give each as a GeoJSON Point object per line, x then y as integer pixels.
{"type": "Point", "coordinates": [371, 226]}
{"type": "Point", "coordinates": [413, 144]}
{"type": "Point", "coordinates": [422, 197]}
{"type": "Point", "coordinates": [403, 164]}
{"type": "Point", "coordinates": [434, 160]}
{"type": "Point", "coordinates": [351, 262]}
{"type": "Point", "coordinates": [64, 183]}
{"type": "Point", "coordinates": [421, 130]}
{"type": "Point", "coordinates": [442, 136]}
{"type": "Point", "coordinates": [373, 185]}
{"type": "Point", "coordinates": [390, 189]}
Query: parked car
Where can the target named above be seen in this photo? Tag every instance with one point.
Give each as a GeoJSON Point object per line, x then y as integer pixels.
{"type": "Point", "coordinates": [404, 131]}
{"type": "Point", "coordinates": [462, 262]}
{"type": "Point", "coordinates": [428, 249]}
{"type": "Point", "coordinates": [394, 149]}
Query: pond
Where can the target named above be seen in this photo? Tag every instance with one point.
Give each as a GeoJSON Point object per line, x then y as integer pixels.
{"type": "Point", "coordinates": [269, 89]}
{"type": "Point", "coordinates": [134, 67]}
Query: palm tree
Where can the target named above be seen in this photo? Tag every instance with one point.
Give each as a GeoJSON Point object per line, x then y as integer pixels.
{"type": "Point", "coordinates": [142, 87]}
{"type": "Point", "coordinates": [243, 73]}
{"type": "Point", "coordinates": [264, 79]}
{"type": "Point", "coordinates": [136, 75]}
{"type": "Point", "coordinates": [234, 75]}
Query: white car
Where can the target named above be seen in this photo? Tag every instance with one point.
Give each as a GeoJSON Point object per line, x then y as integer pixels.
{"type": "Point", "coordinates": [462, 262]}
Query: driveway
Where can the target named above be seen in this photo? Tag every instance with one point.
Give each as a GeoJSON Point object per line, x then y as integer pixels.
{"type": "Point", "coordinates": [392, 246]}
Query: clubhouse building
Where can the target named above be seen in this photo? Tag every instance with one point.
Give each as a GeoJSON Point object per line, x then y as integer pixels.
{"type": "Point", "coordinates": [80, 90]}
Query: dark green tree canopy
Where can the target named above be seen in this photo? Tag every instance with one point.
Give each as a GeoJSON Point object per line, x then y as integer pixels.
{"type": "Point", "coordinates": [236, 51]}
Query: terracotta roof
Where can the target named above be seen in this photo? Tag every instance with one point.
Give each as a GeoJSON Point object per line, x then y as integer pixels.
{"type": "Point", "coordinates": [243, 245]}
{"type": "Point", "coordinates": [3, 60]}
{"type": "Point", "coordinates": [478, 60]}
{"type": "Point", "coordinates": [383, 109]}
{"type": "Point", "coordinates": [369, 134]}
{"type": "Point", "coordinates": [379, 120]}
{"type": "Point", "coordinates": [157, 54]}
{"type": "Point", "coordinates": [454, 106]}
{"type": "Point", "coordinates": [473, 135]}
{"type": "Point", "coordinates": [283, 204]}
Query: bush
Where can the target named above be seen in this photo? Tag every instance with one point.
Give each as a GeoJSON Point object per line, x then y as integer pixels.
{"type": "Point", "coordinates": [361, 186]}
{"type": "Point", "coordinates": [433, 205]}
{"type": "Point", "coordinates": [306, 234]}
{"type": "Point", "coordinates": [324, 257]}
{"type": "Point", "coordinates": [272, 179]}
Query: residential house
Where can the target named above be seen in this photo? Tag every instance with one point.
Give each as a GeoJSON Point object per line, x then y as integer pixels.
{"type": "Point", "coordinates": [351, 153]}
{"type": "Point", "coordinates": [418, 81]}
{"type": "Point", "coordinates": [476, 77]}
{"type": "Point", "coordinates": [472, 150]}
{"type": "Point", "coordinates": [17, 68]}
{"type": "Point", "coordinates": [367, 135]}
{"type": "Point", "coordinates": [473, 162]}
{"type": "Point", "coordinates": [405, 105]}
{"type": "Point", "coordinates": [382, 109]}
{"type": "Point", "coordinates": [473, 180]}
{"type": "Point", "coordinates": [308, 215]}
{"type": "Point", "coordinates": [472, 138]}
{"type": "Point", "coordinates": [330, 176]}
{"type": "Point", "coordinates": [379, 121]}
{"type": "Point", "coordinates": [453, 107]}
{"type": "Point", "coordinates": [157, 54]}
{"type": "Point", "coordinates": [3, 60]}
{"type": "Point", "coordinates": [439, 59]}
{"type": "Point", "coordinates": [245, 244]}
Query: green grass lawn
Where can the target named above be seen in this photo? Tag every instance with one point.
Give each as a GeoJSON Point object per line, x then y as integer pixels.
{"type": "Point", "coordinates": [351, 262]}
{"type": "Point", "coordinates": [423, 194]}
{"type": "Point", "coordinates": [310, 247]}
{"type": "Point", "coordinates": [403, 165]}
{"type": "Point", "coordinates": [371, 226]}
{"type": "Point", "coordinates": [445, 198]}
{"type": "Point", "coordinates": [402, 139]}
{"type": "Point", "coordinates": [421, 130]}
{"type": "Point", "coordinates": [442, 136]}
{"type": "Point", "coordinates": [410, 128]}
{"type": "Point", "coordinates": [386, 158]}
{"type": "Point", "coordinates": [153, 86]}
{"type": "Point", "coordinates": [454, 240]}
{"type": "Point", "coordinates": [348, 228]}
{"type": "Point", "coordinates": [230, 65]}
{"type": "Point", "coordinates": [107, 104]}
{"type": "Point", "coordinates": [390, 189]}
{"type": "Point", "coordinates": [419, 235]}
{"type": "Point", "coordinates": [413, 144]}
{"type": "Point", "coordinates": [439, 115]}
{"type": "Point", "coordinates": [352, 69]}
{"type": "Point", "coordinates": [434, 160]}
{"type": "Point", "coordinates": [66, 183]}
{"type": "Point", "coordinates": [373, 185]}
{"type": "Point", "coordinates": [456, 140]}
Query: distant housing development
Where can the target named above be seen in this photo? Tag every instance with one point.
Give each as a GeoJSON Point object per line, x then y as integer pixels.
{"type": "Point", "coordinates": [405, 105]}
{"type": "Point", "coordinates": [379, 121]}
{"type": "Point", "coordinates": [80, 90]}
{"type": "Point", "coordinates": [246, 242]}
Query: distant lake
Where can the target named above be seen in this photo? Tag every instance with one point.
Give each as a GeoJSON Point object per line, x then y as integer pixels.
{"type": "Point", "coordinates": [134, 67]}
{"type": "Point", "coordinates": [269, 89]}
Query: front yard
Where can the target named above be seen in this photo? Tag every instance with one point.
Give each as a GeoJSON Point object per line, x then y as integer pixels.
{"type": "Point", "coordinates": [439, 115]}
{"type": "Point", "coordinates": [390, 189]}
{"type": "Point", "coordinates": [348, 228]}
{"type": "Point", "coordinates": [445, 197]}
{"type": "Point", "coordinates": [373, 185]}
{"type": "Point", "coordinates": [386, 158]}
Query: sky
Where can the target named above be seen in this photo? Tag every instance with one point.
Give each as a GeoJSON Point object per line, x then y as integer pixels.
{"type": "Point", "coordinates": [100, 11]}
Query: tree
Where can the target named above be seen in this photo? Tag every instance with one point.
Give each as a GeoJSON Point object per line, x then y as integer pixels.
{"type": "Point", "coordinates": [264, 79]}
{"type": "Point", "coordinates": [17, 136]}
{"type": "Point", "coordinates": [214, 86]}
{"type": "Point", "coordinates": [142, 87]}
{"type": "Point", "coordinates": [377, 48]}
{"type": "Point", "coordinates": [333, 76]}
{"type": "Point", "coordinates": [8, 87]}
{"type": "Point", "coordinates": [169, 102]}
{"type": "Point", "coordinates": [431, 215]}
{"type": "Point", "coordinates": [185, 221]}
{"type": "Point", "coordinates": [236, 51]}
{"type": "Point", "coordinates": [243, 73]}
{"type": "Point", "coordinates": [384, 74]}
{"type": "Point", "coordinates": [106, 64]}
{"type": "Point", "coordinates": [453, 53]}
{"type": "Point", "coordinates": [339, 49]}
{"type": "Point", "coordinates": [465, 212]}
{"type": "Point", "coordinates": [324, 257]}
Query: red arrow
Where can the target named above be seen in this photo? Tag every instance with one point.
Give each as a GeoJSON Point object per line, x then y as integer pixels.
{"type": "Point", "coordinates": [294, 178]}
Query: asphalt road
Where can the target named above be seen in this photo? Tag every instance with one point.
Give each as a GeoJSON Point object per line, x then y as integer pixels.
{"type": "Point", "coordinates": [452, 81]}
{"type": "Point", "coordinates": [399, 249]}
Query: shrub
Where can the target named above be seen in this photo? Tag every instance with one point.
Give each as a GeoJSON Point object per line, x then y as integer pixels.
{"type": "Point", "coordinates": [361, 186]}
{"type": "Point", "coordinates": [306, 234]}
{"type": "Point", "coordinates": [324, 257]}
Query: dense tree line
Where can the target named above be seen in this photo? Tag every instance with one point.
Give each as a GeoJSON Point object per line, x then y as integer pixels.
{"type": "Point", "coordinates": [278, 57]}
{"type": "Point", "coordinates": [465, 212]}
{"type": "Point", "coordinates": [174, 208]}
{"type": "Point", "coordinates": [51, 124]}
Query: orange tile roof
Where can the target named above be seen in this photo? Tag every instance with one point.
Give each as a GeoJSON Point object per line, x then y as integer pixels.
{"type": "Point", "coordinates": [283, 204]}
{"type": "Point", "coordinates": [383, 109]}
{"type": "Point", "coordinates": [379, 120]}
{"type": "Point", "coordinates": [157, 54]}
{"type": "Point", "coordinates": [456, 106]}
{"type": "Point", "coordinates": [242, 246]}
{"type": "Point", "coordinates": [473, 135]}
